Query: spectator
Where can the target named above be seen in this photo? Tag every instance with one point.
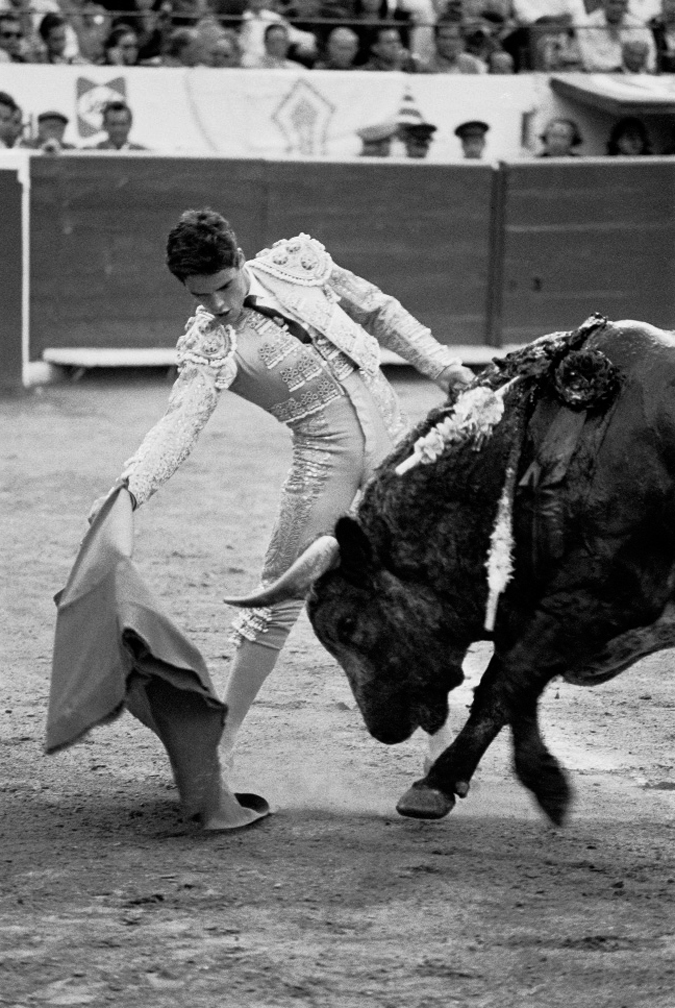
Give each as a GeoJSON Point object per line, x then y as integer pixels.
{"type": "Point", "coordinates": [376, 140]}
{"type": "Point", "coordinates": [341, 49]}
{"type": "Point", "coordinates": [277, 43]}
{"type": "Point", "coordinates": [257, 16]}
{"type": "Point", "coordinates": [121, 47]}
{"type": "Point", "coordinates": [478, 39]}
{"type": "Point", "coordinates": [51, 127]}
{"type": "Point", "coordinates": [224, 51]}
{"type": "Point", "coordinates": [663, 32]}
{"type": "Point", "coordinates": [536, 21]}
{"type": "Point", "coordinates": [449, 56]}
{"type": "Point", "coordinates": [560, 137]}
{"type": "Point", "coordinates": [388, 53]}
{"type": "Point", "coordinates": [151, 23]}
{"type": "Point", "coordinates": [501, 62]}
{"type": "Point", "coordinates": [634, 56]}
{"type": "Point", "coordinates": [52, 31]}
{"type": "Point", "coordinates": [183, 49]}
{"type": "Point", "coordinates": [117, 121]}
{"type": "Point", "coordinates": [314, 18]}
{"type": "Point", "coordinates": [368, 18]}
{"type": "Point", "coordinates": [93, 25]}
{"type": "Point", "coordinates": [472, 138]}
{"type": "Point", "coordinates": [417, 138]}
{"type": "Point", "coordinates": [629, 138]}
{"type": "Point", "coordinates": [7, 120]}
{"type": "Point", "coordinates": [608, 28]}
{"type": "Point", "coordinates": [11, 39]}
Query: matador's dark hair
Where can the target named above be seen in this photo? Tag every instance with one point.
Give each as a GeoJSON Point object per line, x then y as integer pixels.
{"type": "Point", "coordinates": [201, 243]}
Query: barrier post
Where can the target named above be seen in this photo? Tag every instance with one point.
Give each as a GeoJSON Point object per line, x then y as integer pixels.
{"type": "Point", "coordinates": [13, 271]}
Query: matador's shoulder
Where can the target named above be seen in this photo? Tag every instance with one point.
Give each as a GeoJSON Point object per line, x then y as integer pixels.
{"type": "Point", "coordinates": [300, 260]}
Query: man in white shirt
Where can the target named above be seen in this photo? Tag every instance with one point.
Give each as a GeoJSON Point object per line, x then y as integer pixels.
{"type": "Point", "coordinates": [528, 12]}
{"type": "Point", "coordinates": [607, 29]}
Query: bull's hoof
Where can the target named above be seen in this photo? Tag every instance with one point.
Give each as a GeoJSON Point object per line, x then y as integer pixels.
{"type": "Point", "coordinates": [421, 802]}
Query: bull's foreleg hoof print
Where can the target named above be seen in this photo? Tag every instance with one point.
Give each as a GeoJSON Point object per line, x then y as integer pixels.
{"type": "Point", "coordinates": [423, 802]}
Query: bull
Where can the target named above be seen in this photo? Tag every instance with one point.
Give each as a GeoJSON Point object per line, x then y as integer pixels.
{"type": "Point", "coordinates": [550, 532]}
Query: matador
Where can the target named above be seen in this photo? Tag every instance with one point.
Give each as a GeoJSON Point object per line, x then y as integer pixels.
{"type": "Point", "coordinates": [299, 336]}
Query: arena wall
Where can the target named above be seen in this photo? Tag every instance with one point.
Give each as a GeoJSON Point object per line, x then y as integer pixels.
{"type": "Point", "coordinates": [486, 255]}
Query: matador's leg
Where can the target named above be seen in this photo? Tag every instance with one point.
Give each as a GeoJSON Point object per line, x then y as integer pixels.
{"type": "Point", "coordinates": [327, 470]}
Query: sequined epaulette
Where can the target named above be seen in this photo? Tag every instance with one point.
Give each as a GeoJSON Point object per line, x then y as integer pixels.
{"type": "Point", "coordinates": [206, 343]}
{"type": "Point", "coordinates": [300, 260]}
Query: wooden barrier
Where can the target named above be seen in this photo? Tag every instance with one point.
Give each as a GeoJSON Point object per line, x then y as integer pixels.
{"type": "Point", "coordinates": [485, 256]}
{"type": "Point", "coordinates": [578, 236]}
{"type": "Point", "coordinates": [99, 224]}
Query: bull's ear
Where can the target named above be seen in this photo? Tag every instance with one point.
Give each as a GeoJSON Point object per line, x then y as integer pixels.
{"type": "Point", "coordinates": [356, 553]}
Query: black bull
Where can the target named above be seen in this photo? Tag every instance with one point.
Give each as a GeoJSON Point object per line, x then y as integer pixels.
{"type": "Point", "coordinates": [593, 552]}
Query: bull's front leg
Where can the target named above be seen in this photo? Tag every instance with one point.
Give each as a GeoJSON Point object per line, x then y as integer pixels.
{"type": "Point", "coordinates": [434, 796]}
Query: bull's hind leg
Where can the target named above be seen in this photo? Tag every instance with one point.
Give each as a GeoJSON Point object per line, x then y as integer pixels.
{"type": "Point", "coordinates": [434, 796]}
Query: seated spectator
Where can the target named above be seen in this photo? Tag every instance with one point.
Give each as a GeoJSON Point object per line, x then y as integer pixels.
{"type": "Point", "coordinates": [121, 47]}
{"type": "Point", "coordinates": [478, 39]}
{"type": "Point", "coordinates": [501, 62]}
{"type": "Point", "coordinates": [117, 120]}
{"type": "Point", "coordinates": [12, 37]}
{"type": "Point", "coordinates": [183, 49]}
{"type": "Point", "coordinates": [8, 109]}
{"type": "Point", "coordinates": [538, 19]}
{"type": "Point", "coordinates": [387, 53]}
{"type": "Point", "coordinates": [52, 31]}
{"type": "Point", "coordinates": [224, 51]}
{"type": "Point", "coordinates": [368, 17]}
{"type": "Point", "coordinates": [663, 31]}
{"type": "Point", "coordinates": [417, 138]}
{"type": "Point", "coordinates": [92, 25]}
{"type": "Point", "coordinates": [277, 43]}
{"type": "Point", "coordinates": [608, 28]}
{"type": "Point", "coordinates": [559, 138]}
{"type": "Point", "coordinates": [449, 56]}
{"type": "Point", "coordinates": [255, 19]}
{"type": "Point", "coordinates": [341, 49]}
{"type": "Point", "coordinates": [376, 140]}
{"type": "Point", "coordinates": [317, 18]}
{"type": "Point", "coordinates": [634, 57]}
{"type": "Point", "coordinates": [51, 127]}
{"type": "Point", "coordinates": [629, 138]}
{"type": "Point", "coordinates": [472, 138]}
{"type": "Point", "coordinates": [151, 22]}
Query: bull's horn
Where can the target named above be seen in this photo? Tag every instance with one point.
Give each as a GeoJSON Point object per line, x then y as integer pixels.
{"type": "Point", "coordinates": [319, 557]}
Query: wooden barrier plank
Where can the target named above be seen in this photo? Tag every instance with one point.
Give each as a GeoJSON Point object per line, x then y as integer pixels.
{"type": "Point", "coordinates": [418, 231]}
{"type": "Point", "coordinates": [585, 236]}
{"type": "Point", "coordinates": [99, 229]}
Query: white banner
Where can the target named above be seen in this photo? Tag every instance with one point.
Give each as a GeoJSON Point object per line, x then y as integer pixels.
{"type": "Point", "coordinates": [278, 113]}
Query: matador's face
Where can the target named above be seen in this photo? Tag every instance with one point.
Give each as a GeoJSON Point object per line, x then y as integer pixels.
{"type": "Point", "coordinates": [221, 293]}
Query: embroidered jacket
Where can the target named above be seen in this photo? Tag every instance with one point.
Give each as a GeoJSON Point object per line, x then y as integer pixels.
{"type": "Point", "coordinates": [347, 318]}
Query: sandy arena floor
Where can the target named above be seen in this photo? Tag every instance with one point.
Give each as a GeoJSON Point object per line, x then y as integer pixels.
{"type": "Point", "coordinates": [108, 897]}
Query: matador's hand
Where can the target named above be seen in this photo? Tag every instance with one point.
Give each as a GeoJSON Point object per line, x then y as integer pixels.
{"type": "Point", "coordinates": [455, 376]}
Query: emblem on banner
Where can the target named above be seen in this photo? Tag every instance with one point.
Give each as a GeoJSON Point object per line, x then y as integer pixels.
{"type": "Point", "coordinates": [90, 99]}
{"type": "Point", "coordinates": [303, 116]}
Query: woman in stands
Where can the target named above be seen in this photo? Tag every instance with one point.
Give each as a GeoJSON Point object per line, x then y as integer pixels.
{"type": "Point", "coordinates": [629, 138]}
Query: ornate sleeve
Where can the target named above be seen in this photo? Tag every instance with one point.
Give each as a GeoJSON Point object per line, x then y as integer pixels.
{"type": "Point", "coordinates": [206, 365]}
{"type": "Point", "coordinates": [393, 327]}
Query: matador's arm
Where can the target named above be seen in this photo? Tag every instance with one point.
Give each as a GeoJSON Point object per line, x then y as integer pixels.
{"type": "Point", "coordinates": [393, 327]}
{"type": "Point", "coordinates": [206, 366]}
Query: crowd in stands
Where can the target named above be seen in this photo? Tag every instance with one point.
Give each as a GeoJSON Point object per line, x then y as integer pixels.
{"type": "Point", "coordinates": [416, 36]}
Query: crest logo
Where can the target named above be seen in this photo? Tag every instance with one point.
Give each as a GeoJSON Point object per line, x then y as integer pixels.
{"type": "Point", "coordinates": [303, 116]}
{"type": "Point", "coordinates": [90, 99]}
